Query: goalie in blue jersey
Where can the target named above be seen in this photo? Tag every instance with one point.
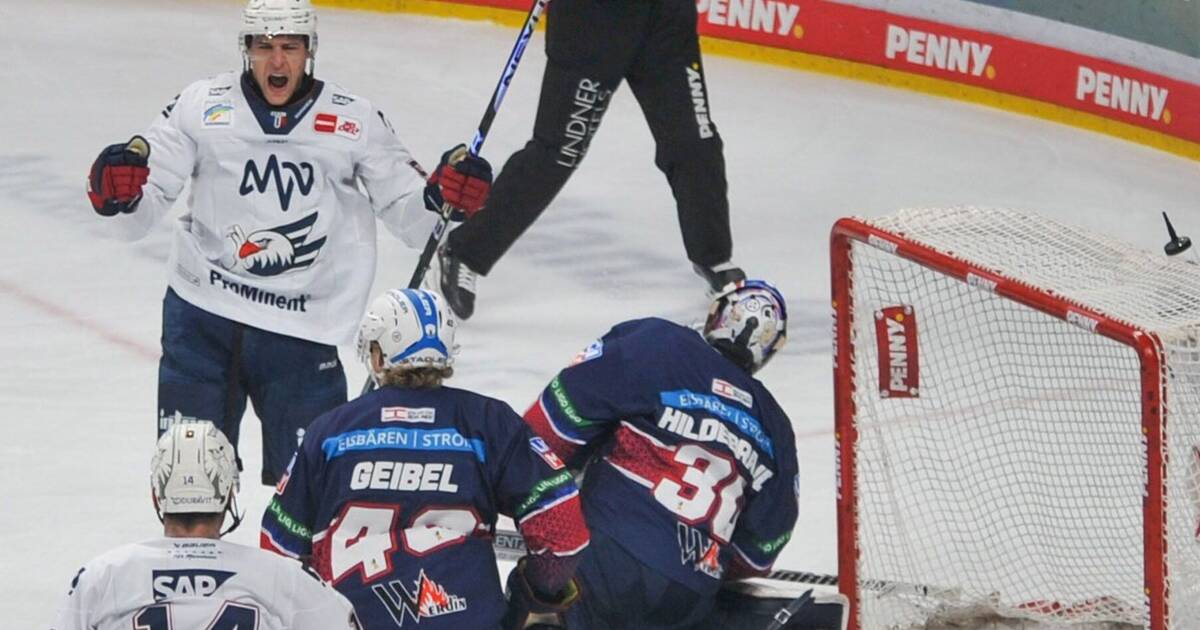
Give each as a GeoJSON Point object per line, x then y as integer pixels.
{"type": "Point", "coordinates": [393, 497]}
{"type": "Point", "coordinates": [691, 464]}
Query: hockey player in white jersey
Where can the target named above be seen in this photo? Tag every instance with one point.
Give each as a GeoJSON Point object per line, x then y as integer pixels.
{"type": "Point", "coordinates": [271, 265]}
{"type": "Point", "coordinates": [190, 578]}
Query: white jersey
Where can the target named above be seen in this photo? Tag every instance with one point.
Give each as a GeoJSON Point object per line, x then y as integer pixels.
{"type": "Point", "coordinates": [173, 583]}
{"type": "Point", "coordinates": [280, 228]}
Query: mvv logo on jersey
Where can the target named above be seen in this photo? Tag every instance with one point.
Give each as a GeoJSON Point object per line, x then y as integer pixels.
{"type": "Point", "coordinates": [187, 582]}
{"type": "Point", "coordinates": [286, 177]}
{"type": "Point", "coordinates": [273, 251]}
{"type": "Point", "coordinates": [337, 125]}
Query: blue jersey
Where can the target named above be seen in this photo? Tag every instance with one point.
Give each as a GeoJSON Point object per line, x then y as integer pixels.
{"type": "Point", "coordinates": [693, 463]}
{"type": "Point", "coordinates": [395, 496]}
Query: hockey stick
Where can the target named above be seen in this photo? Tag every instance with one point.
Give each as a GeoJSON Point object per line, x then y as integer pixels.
{"type": "Point", "coordinates": [481, 132]}
{"type": "Point", "coordinates": [509, 545]}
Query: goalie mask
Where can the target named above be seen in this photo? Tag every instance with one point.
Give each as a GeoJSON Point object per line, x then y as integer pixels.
{"type": "Point", "coordinates": [279, 17]}
{"type": "Point", "coordinates": [194, 471]}
{"type": "Point", "coordinates": [413, 328]}
{"type": "Point", "coordinates": [748, 323]}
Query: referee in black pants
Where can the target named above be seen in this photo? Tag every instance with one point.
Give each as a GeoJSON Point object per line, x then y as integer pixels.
{"type": "Point", "coordinates": [591, 46]}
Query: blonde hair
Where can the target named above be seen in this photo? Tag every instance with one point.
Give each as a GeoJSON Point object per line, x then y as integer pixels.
{"type": "Point", "coordinates": [415, 378]}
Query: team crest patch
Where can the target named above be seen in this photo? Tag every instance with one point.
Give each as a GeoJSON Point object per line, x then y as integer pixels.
{"type": "Point", "coordinates": [218, 114]}
{"type": "Point", "coordinates": [337, 125]}
{"type": "Point", "coordinates": [275, 250]}
{"type": "Point", "coordinates": [544, 451]}
{"type": "Point", "coordinates": [422, 415]}
{"type": "Point", "coordinates": [725, 389]}
{"type": "Point", "coordinates": [699, 551]}
{"type": "Point", "coordinates": [426, 599]}
{"type": "Point", "coordinates": [593, 351]}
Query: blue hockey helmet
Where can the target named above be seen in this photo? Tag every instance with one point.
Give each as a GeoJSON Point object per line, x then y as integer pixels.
{"type": "Point", "coordinates": [413, 327]}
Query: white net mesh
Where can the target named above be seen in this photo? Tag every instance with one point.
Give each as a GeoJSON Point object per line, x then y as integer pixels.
{"type": "Point", "coordinates": [1013, 483]}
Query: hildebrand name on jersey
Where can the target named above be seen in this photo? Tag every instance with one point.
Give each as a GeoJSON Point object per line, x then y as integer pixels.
{"type": "Point", "coordinates": [279, 234]}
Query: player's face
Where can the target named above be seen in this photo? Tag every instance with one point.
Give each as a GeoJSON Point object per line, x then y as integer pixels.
{"type": "Point", "coordinates": [277, 64]}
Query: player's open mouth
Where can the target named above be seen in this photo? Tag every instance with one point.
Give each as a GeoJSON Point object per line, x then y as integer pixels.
{"type": "Point", "coordinates": [277, 81]}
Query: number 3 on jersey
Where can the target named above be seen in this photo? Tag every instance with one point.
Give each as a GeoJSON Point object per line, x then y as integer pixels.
{"type": "Point", "coordinates": [708, 479]}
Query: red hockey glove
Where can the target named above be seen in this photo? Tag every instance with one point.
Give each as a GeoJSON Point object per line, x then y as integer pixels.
{"type": "Point", "coordinates": [528, 609]}
{"type": "Point", "coordinates": [461, 180]}
{"type": "Point", "coordinates": [115, 183]}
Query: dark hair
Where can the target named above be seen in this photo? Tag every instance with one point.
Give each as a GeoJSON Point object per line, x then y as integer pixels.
{"type": "Point", "coordinates": [192, 520]}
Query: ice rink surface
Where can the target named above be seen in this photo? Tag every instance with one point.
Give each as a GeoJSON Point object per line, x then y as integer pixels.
{"type": "Point", "coordinates": [79, 313]}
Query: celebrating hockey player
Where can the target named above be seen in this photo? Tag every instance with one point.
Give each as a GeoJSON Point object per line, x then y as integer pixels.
{"type": "Point", "coordinates": [272, 265]}
{"type": "Point", "coordinates": [394, 495]}
{"type": "Point", "coordinates": [191, 578]}
{"type": "Point", "coordinates": [592, 46]}
{"type": "Point", "coordinates": [693, 469]}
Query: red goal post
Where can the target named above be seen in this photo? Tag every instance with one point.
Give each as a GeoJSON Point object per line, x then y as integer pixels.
{"type": "Point", "coordinates": [1017, 409]}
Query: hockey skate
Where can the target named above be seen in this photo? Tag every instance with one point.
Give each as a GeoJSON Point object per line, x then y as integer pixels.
{"type": "Point", "coordinates": [720, 276]}
{"type": "Point", "coordinates": [455, 281]}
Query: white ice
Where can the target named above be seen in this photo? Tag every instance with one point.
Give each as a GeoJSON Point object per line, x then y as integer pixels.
{"type": "Point", "coordinates": [79, 314]}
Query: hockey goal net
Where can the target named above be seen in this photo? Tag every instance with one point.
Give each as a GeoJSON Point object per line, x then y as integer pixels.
{"type": "Point", "coordinates": [1018, 424]}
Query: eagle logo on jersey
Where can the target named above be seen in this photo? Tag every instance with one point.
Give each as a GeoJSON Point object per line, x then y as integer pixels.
{"type": "Point", "coordinates": [426, 599]}
{"type": "Point", "coordinates": [276, 250]}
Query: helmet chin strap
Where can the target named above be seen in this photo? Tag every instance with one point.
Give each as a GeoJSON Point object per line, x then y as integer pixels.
{"type": "Point", "coordinates": [231, 508]}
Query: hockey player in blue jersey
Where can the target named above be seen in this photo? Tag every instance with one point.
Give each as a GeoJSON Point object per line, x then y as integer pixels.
{"type": "Point", "coordinates": [272, 264]}
{"type": "Point", "coordinates": [691, 464]}
{"type": "Point", "coordinates": [395, 495]}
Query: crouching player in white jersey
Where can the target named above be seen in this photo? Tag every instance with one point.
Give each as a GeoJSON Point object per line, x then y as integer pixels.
{"type": "Point", "coordinates": [190, 578]}
{"type": "Point", "coordinates": [271, 266]}
{"type": "Point", "coordinates": [395, 495]}
{"type": "Point", "coordinates": [693, 475]}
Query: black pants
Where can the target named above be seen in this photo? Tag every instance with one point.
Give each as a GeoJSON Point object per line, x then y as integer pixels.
{"type": "Point", "coordinates": [591, 46]}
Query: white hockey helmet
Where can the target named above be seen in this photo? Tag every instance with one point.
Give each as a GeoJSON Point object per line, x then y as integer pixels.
{"type": "Point", "coordinates": [278, 17]}
{"type": "Point", "coordinates": [413, 327]}
{"type": "Point", "coordinates": [748, 323]}
{"type": "Point", "coordinates": [194, 470]}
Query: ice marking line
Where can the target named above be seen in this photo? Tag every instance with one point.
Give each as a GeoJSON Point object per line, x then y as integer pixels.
{"type": "Point", "coordinates": [54, 310]}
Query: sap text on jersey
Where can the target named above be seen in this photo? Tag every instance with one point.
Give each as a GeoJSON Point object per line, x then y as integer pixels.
{"type": "Point", "coordinates": [299, 176]}
{"type": "Point", "coordinates": [713, 430]}
{"type": "Point", "coordinates": [590, 103]}
{"type": "Point", "coordinates": [187, 582]}
{"type": "Point", "coordinates": [403, 476]}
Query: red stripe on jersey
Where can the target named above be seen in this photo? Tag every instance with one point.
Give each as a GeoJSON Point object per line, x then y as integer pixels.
{"type": "Point", "coordinates": [559, 529]}
{"type": "Point", "coordinates": [538, 420]}
{"type": "Point", "coordinates": [644, 456]}
{"type": "Point", "coordinates": [265, 542]}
